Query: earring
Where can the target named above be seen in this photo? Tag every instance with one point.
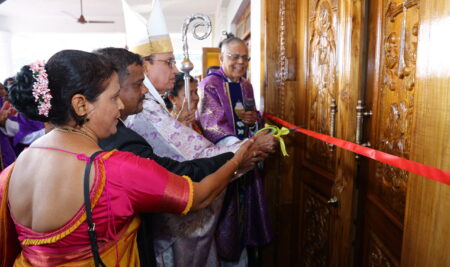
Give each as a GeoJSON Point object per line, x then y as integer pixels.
{"type": "Point", "coordinates": [85, 118]}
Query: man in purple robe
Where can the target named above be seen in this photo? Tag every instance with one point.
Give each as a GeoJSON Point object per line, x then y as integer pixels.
{"type": "Point", "coordinates": [18, 129]}
{"type": "Point", "coordinates": [7, 155]}
{"type": "Point", "coordinates": [227, 115]}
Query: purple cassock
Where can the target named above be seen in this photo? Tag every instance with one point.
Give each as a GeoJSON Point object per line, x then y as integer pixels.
{"type": "Point", "coordinates": [8, 155]}
{"type": "Point", "coordinates": [26, 127]}
{"type": "Point", "coordinates": [244, 217]}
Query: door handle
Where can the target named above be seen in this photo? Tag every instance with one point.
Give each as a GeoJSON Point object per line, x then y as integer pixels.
{"type": "Point", "coordinates": [333, 111]}
{"type": "Point", "coordinates": [360, 114]}
{"type": "Point", "coordinates": [333, 201]}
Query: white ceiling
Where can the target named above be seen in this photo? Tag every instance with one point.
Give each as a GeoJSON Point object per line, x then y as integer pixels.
{"type": "Point", "coordinates": [60, 15]}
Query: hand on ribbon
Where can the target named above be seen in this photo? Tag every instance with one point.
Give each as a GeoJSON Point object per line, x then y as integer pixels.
{"type": "Point", "coordinates": [277, 133]}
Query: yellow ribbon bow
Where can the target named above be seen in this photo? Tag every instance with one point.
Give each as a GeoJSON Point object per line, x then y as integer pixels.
{"type": "Point", "coordinates": [277, 133]}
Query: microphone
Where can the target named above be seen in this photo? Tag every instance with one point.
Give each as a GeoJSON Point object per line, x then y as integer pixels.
{"type": "Point", "coordinates": [249, 105]}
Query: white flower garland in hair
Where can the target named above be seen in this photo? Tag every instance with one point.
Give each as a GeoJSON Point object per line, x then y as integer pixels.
{"type": "Point", "coordinates": [40, 90]}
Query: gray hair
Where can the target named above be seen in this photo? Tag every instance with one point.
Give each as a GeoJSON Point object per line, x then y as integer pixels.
{"type": "Point", "coordinates": [225, 43]}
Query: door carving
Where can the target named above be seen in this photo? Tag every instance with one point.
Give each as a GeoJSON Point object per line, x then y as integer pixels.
{"type": "Point", "coordinates": [396, 100]}
{"type": "Point", "coordinates": [317, 222]}
{"type": "Point", "coordinates": [390, 93]}
{"type": "Point", "coordinates": [322, 80]}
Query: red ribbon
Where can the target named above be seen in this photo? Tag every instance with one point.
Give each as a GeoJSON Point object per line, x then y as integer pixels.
{"type": "Point", "coordinates": [401, 163]}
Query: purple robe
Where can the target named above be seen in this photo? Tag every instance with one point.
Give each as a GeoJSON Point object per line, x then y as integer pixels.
{"type": "Point", "coordinates": [236, 229]}
{"type": "Point", "coordinates": [8, 155]}
{"type": "Point", "coordinates": [214, 114]}
{"type": "Point", "coordinates": [26, 126]}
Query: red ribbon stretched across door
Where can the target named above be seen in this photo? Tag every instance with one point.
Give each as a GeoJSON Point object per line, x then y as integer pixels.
{"type": "Point", "coordinates": [401, 163]}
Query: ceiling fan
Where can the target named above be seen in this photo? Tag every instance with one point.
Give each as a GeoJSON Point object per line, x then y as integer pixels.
{"type": "Point", "coordinates": [82, 19]}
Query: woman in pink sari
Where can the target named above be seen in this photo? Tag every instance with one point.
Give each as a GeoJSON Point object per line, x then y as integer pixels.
{"type": "Point", "coordinates": [42, 212]}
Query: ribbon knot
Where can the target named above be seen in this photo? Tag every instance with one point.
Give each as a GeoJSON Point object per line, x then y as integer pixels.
{"type": "Point", "coordinates": [277, 133]}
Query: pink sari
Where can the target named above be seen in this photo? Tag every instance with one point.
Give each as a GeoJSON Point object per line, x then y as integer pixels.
{"type": "Point", "coordinates": [124, 185]}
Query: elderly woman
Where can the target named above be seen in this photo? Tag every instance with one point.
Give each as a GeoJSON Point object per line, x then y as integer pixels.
{"type": "Point", "coordinates": [47, 217]}
{"type": "Point", "coordinates": [176, 103]}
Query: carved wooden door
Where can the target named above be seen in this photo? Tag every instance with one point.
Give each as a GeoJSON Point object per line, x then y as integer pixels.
{"type": "Point", "coordinates": [326, 175]}
{"type": "Point", "coordinates": [316, 61]}
{"type": "Point", "coordinates": [391, 90]}
{"type": "Point", "coordinates": [343, 216]}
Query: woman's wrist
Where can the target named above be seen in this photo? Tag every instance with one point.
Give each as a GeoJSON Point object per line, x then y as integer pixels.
{"type": "Point", "coordinates": [235, 163]}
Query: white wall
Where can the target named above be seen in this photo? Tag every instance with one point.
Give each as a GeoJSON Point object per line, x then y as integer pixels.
{"type": "Point", "coordinates": [225, 14]}
{"type": "Point", "coordinates": [6, 69]}
{"type": "Point", "coordinates": [20, 49]}
{"type": "Point", "coordinates": [257, 72]}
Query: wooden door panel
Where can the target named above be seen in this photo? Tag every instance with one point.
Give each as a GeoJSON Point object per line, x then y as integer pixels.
{"type": "Point", "coordinates": [321, 43]}
{"type": "Point", "coordinates": [395, 102]}
{"type": "Point", "coordinates": [316, 228]}
{"type": "Point", "coordinates": [322, 80]}
{"type": "Point", "coordinates": [378, 254]}
{"type": "Point", "coordinates": [333, 30]}
{"type": "Point", "coordinates": [280, 99]}
{"type": "Point", "coordinates": [427, 217]}
{"type": "Point", "coordinates": [382, 237]}
{"type": "Point", "coordinates": [391, 95]}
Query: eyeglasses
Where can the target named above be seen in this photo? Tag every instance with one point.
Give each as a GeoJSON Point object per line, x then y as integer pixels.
{"type": "Point", "coordinates": [236, 57]}
{"type": "Point", "coordinates": [170, 62]}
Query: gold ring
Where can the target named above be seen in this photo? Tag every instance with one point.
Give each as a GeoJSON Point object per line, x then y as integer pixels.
{"type": "Point", "coordinates": [254, 154]}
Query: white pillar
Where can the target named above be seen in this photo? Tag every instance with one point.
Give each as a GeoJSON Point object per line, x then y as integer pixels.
{"type": "Point", "coordinates": [6, 69]}
{"type": "Point", "coordinates": [256, 73]}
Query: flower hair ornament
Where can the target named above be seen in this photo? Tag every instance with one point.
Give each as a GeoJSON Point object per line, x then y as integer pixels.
{"type": "Point", "coordinates": [40, 90]}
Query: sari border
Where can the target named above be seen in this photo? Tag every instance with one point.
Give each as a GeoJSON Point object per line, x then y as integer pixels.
{"type": "Point", "coordinates": [100, 169]}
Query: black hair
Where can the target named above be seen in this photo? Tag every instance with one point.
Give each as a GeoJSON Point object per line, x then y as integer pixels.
{"type": "Point", "coordinates": [69, 72]}
{"type": "Point", "coordinates": [178, 85]}
{"type": "Point", "coordinates": [228, 35]}
{"type": "Point", "coordinates": [121, 58]}
{"type": "Point", "coordinates": [7, 83]}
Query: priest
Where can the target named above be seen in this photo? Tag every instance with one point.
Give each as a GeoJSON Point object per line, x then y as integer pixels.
{"type": "Point", "coordinates": [186, 241]}
{"type": "Point", "coordinates": [226, 115]}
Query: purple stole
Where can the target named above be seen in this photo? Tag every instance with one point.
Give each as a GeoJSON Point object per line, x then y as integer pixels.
{"type": "Point", "coordinates": [244, 218]}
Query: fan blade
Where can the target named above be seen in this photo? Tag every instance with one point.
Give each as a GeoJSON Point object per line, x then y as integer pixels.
{"type": "Point", "coordinates": [100, 21]}
{"type": "Point", "coordinates": [69, 14]}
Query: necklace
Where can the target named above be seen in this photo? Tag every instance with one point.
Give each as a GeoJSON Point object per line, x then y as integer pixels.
{"type": "Point", "coordinates": [76, 131]}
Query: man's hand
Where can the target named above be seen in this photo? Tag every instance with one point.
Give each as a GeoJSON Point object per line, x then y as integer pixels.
{"type": "Point", "coordinates": [4, 113]}
{"type": "Point", "coordinates": [263, 145]}
{"type": "Point", "coordinates": [265, 142]}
